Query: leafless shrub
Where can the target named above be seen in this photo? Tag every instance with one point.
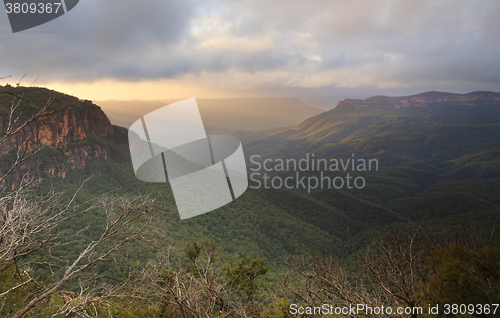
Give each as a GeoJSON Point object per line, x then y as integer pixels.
{"type": "Point", "coordinates": [126, 219]}
{"type": "Point", "coordinates": [389, 270]}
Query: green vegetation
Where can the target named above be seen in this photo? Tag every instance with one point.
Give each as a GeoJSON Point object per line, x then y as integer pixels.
{"type": "Point", "coordinates": [32, 98]}
{"type": "Point", "coordinates": [440, 164]}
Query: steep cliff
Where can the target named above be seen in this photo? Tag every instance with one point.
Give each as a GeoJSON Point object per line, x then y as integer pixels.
{"type": "Point", "coordinates": [442, 129]}
{"type": "Point", "coordinates": [428, 99]}
{"type": "Point", "coordinates": [72, 136]}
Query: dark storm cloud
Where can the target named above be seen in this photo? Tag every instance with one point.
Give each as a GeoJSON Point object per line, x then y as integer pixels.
{"type": "Point", "coordinates": [99, 38]}
{"type": "Point", "coordinates": [318, 43]}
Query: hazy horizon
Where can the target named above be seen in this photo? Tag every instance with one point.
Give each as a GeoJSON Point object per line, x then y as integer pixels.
{"type": "Point", "coordinates": [221, 114]}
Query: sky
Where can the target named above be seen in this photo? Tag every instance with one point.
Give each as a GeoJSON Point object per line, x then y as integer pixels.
{"type": "Point", "coordinates": [320, 51]}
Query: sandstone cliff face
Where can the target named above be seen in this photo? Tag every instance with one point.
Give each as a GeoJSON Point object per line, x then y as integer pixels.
{"type": "Point", "coordinates": [59, 129]}
{"type": "Point", "coordinates": [428, 99]}
{"type": "Point", "coordinates": [66, 134]}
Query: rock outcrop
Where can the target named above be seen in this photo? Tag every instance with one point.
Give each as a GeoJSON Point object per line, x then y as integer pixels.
{"type": "Point", "coordinates": [428, 99]}
{"type": "Point", "coordinates": [66, 136]}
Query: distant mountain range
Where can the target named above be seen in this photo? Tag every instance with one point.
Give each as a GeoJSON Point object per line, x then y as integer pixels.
{"type": "Point", "coordinates": [221, 115]}
{"type": "Point", "coordinates": [427, 99]}
{"type": "Point", "coordinates": [426, 128]}
{"type": "Point", "coordinates": [438, 154]}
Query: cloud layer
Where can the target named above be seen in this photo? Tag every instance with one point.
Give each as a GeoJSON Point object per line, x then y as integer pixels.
{"type": "Point", "coordinates": [279, 44]}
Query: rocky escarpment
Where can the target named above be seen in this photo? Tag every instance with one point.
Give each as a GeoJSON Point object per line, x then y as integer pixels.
{"type": "Point", "coordinates": [427, 99]}
{"type": "Point", "coordinates": [68, 137]}
{"type": "Point", "coordinates": [59, 129]}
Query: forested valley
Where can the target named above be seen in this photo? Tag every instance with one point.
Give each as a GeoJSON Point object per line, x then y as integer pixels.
{"type": "Point", "coordinates": [81, 236]}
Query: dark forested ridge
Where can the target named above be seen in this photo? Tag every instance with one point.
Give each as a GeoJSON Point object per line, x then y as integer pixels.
{"type": "Point", "coordinates": [438, 154]}
{"type": "Point", "coordinates": [251, 226]}
{"type": "Point", "coordinates": [438, 159]}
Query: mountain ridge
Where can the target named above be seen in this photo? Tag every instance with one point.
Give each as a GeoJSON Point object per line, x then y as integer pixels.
{"type": "Point", "coordinates": [428, 159]}
{"type": "Point", "coordinates": [440, 130]}
{"type": "Point", "coordinates": [425, 99]}
{"type": "Point", "coordinates": [64, 134]}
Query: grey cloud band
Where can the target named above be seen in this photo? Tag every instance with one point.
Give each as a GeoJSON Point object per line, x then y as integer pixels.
{"type": "Point", "coordinates": [205, 172]}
